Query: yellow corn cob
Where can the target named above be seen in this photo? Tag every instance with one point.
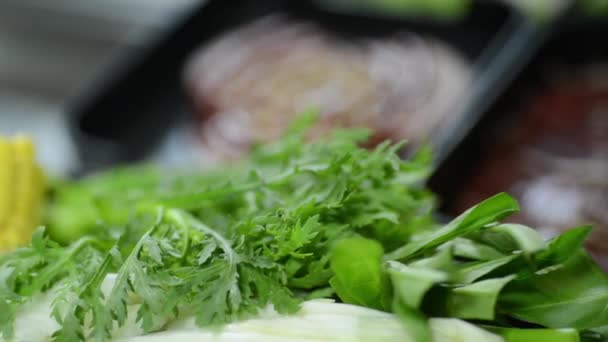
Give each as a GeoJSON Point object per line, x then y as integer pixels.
{"type": "Point", "coordinates": [6, 181]}
{"type": "Point", "coordinates": [21, 192]}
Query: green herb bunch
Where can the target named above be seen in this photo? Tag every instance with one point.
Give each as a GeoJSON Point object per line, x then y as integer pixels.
{"type": "Point", "coordinates": [297, 221]}
{"type": "Point", "coordinates": [218, 245]}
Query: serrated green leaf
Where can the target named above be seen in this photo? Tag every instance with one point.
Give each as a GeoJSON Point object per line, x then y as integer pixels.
{"type": "Point", "coordinates": [206, 252]}
{"type": "Point", "coordinates": [9, 302]}
{"type": "Point", "coordinates": [153, 249]}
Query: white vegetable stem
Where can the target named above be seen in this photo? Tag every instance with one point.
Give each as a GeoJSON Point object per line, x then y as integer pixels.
{"type": "Point", "coordinates": [318, 320]}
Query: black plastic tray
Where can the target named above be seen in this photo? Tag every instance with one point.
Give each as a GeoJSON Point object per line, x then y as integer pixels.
{"type": "Point", "coordinates": [573, 43]}
{"type": "Point", "coordinates": [123, 117]}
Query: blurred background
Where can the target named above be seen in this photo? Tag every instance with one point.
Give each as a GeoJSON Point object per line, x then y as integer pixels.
{"type": "Point", "coordinates": [512, 95]}
{"type": "Point", "coordinates": [52, 50]}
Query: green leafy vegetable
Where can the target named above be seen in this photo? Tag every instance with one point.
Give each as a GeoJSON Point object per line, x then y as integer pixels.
{"type": "Point", "coordinates": [469, 249]}
{"type": "Point", "coordinates": [294, 222]}
{"type": "Point", "coordinates": [451, 329]}
{"type": "Point", "coordinates": [476, 301]}
{"type": "Point", "coordinates": [540, 335]}
{"type": "Point", "coordinates": [488, 211]}
{"type": "Point", "coordinates": [509, 236]}
{"type": "Point", "coordinates": [563, 247]}
{"type": "Point", "coordinates": [415, 322]}
{"type": "Point", "coordinates": [411, 284]}
{"type": "Point", "coordinates": [358, 275]}
{"type": "Point", "coordinates": [470, 272]}
{"type": "Point", "coordinates": [221, 245]}
{"type": "Point", "coordinates": [569, 295]}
